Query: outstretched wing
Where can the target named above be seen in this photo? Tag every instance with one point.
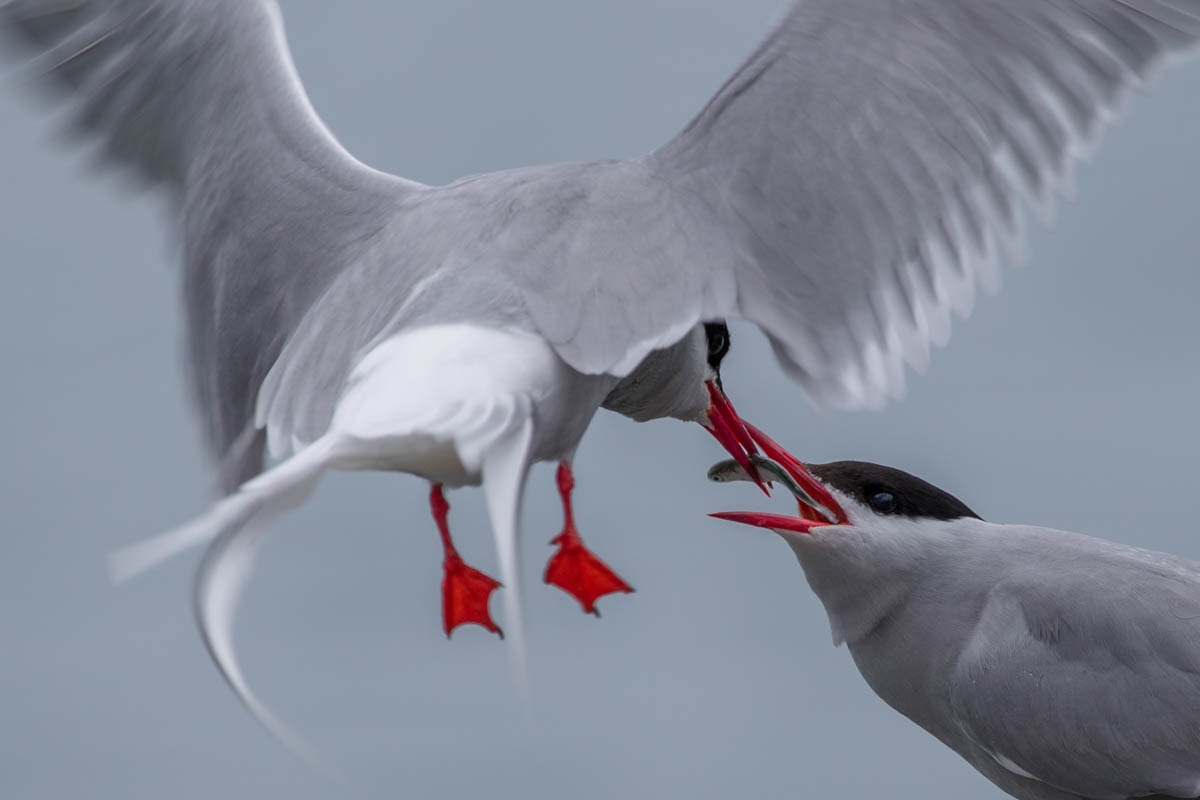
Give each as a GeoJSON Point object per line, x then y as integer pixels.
{"type": "Point", "coordinates": [849, 185]}
{"type": "Point", "coordinates": [200, 97]}
{"type": "Point", "coordinates": [1101, 662]}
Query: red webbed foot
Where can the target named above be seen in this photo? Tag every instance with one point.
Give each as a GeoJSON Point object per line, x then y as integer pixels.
{"type": "Point", "coordinates": [579, 573]}
{"type": "Point", "coordinates": [465, 590]}
{"type": "Point", "coordinates": [574, 568]}
{"type": "Point", "coordinates": [465, 595]}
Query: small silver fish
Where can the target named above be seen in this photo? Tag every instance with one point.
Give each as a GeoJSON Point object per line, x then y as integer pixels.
{"type": "Point", "coordinates": [729, 470]}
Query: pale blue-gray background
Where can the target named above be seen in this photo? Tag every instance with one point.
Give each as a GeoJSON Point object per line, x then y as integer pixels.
{"type": "Point", "coordinates": [1069, 400]}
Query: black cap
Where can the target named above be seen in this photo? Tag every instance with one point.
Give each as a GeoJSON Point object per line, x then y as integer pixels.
{"type": "Point", "coordinates": [910, 496]}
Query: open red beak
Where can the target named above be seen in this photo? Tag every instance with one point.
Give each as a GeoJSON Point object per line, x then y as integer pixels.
{"type": "Point", "coordinates": [803, 477]}
{"type": "Point", "coordinates": [830, 511]}
{"type": "Point", "coordinates": [776, 522]}
{"type": "Point", "coordinates": [733, 434]}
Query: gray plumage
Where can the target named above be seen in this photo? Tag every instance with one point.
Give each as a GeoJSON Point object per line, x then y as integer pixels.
{"type": "Point", "coordinates": [844, 190]}
{"type": "Point", "coordinates": [1060, 666]}
{"type": "Point", "coordinates": [200, 98]}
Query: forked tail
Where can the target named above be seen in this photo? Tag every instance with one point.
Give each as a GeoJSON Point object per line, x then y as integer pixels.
{"type": "Point", "coordinates": [236, 527]}
{"type": "Point", "coordinates": [269, 494]}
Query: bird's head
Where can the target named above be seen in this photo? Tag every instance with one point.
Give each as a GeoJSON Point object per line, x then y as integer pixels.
{"type": "Point", "coordinates": [718, 416]}
{"type": "Point", "coordinates": [851, 493]}
{"type": "Point", "coordinates": [864, 535]}
{"type": "Point", "coordinates": [684, 381]}
{"type": "Point", "coordinates": [716, 346]}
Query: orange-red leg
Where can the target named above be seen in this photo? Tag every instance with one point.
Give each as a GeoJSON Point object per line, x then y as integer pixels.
{"type": "Point", "coordinates": [465, 590]}
{"type": "Point", "coordinates": [574, 568]}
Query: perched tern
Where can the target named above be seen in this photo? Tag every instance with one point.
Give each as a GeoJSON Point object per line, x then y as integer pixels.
{"type": "Point", "coordinates": [1059, 665]}
{"type": "Point", "coordinates": [845, 190]}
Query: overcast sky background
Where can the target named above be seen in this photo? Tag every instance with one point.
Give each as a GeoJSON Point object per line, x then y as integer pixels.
{"type": "Point", "coordinates": [1069, 400]}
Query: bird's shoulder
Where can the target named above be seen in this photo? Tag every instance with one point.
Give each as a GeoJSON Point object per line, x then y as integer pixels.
{"type": "Point", "coordinates": [1091, 645]}
{"type": "Point", "coordinates": [1069, 590]}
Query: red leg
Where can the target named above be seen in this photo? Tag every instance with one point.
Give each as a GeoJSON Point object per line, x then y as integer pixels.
{"type": "Point", "coordinates": [573, 568]}
{"type": "Point", "coordinates": [465, 590]}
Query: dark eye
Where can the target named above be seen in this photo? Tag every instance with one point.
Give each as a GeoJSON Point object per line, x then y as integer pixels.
{"type": "Point", "coordinates": [883, 502]}
{"type": "Point", "coordinates": [717, 343]}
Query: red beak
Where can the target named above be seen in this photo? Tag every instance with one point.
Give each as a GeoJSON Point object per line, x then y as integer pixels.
{"type": "Point", "coordinates": [729, 429]}
{"type": "Point", "coordinates": [776, 522]}
{"type": "Point", "coordinates": [810, 517]}
{"type": "Point", "coordinates": [802, 477]}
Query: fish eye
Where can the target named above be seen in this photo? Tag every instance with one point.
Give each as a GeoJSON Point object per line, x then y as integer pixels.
{"type": "Point", "coordinates": [882, 502]}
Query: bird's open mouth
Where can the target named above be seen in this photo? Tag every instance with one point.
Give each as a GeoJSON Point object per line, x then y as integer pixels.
{"type": "Point", "coordinates": [818, 507]}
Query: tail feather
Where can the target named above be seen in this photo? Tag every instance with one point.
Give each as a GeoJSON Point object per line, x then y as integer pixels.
{"type": "Point", "coordinates": [254, 498]}
{"type": "Point", "coordinates": [224, 573]}
{"type": "Point", "coordinates": [504, 468]}
{"type": "Point", "coordinates": [236, 527]}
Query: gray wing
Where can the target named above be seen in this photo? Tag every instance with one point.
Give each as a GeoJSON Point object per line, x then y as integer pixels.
{"type": "Point", "coordinates": [847, 188]}
{"type": "Point", "coordinates": [200, 98]}
{"type": "Point", "coordinates": [1087, 677]}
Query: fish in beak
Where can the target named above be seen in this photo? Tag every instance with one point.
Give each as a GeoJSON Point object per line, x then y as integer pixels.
{"type": "Point", "coordinates": [817, 506]}
{"type": "Point", "coordinates": [734, 434]}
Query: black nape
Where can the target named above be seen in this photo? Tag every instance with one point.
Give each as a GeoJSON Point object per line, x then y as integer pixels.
{"type": "Point", "coordinates": [910, 496]}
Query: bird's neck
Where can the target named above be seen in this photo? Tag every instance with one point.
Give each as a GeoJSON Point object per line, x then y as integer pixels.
{"type": "Point", "coordinates": [864, 575]}
{"type": "Point", "coordinates": [667, 383]}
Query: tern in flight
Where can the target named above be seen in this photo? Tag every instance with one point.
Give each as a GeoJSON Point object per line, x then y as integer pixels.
{"type": "Point", "coordinates": [850, 185]}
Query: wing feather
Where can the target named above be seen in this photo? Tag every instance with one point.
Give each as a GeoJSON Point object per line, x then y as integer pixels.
{"type": "Point", "coordinates": [893, 143]}
{"type": "Point", "coordinates": [858, 179]}
{"type": "Point", "coordinates": [201, 99]}
{"type": "Point", "coordinates": [1102, 663]}
{"type": "Point", "coordinates": [848, 189]}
